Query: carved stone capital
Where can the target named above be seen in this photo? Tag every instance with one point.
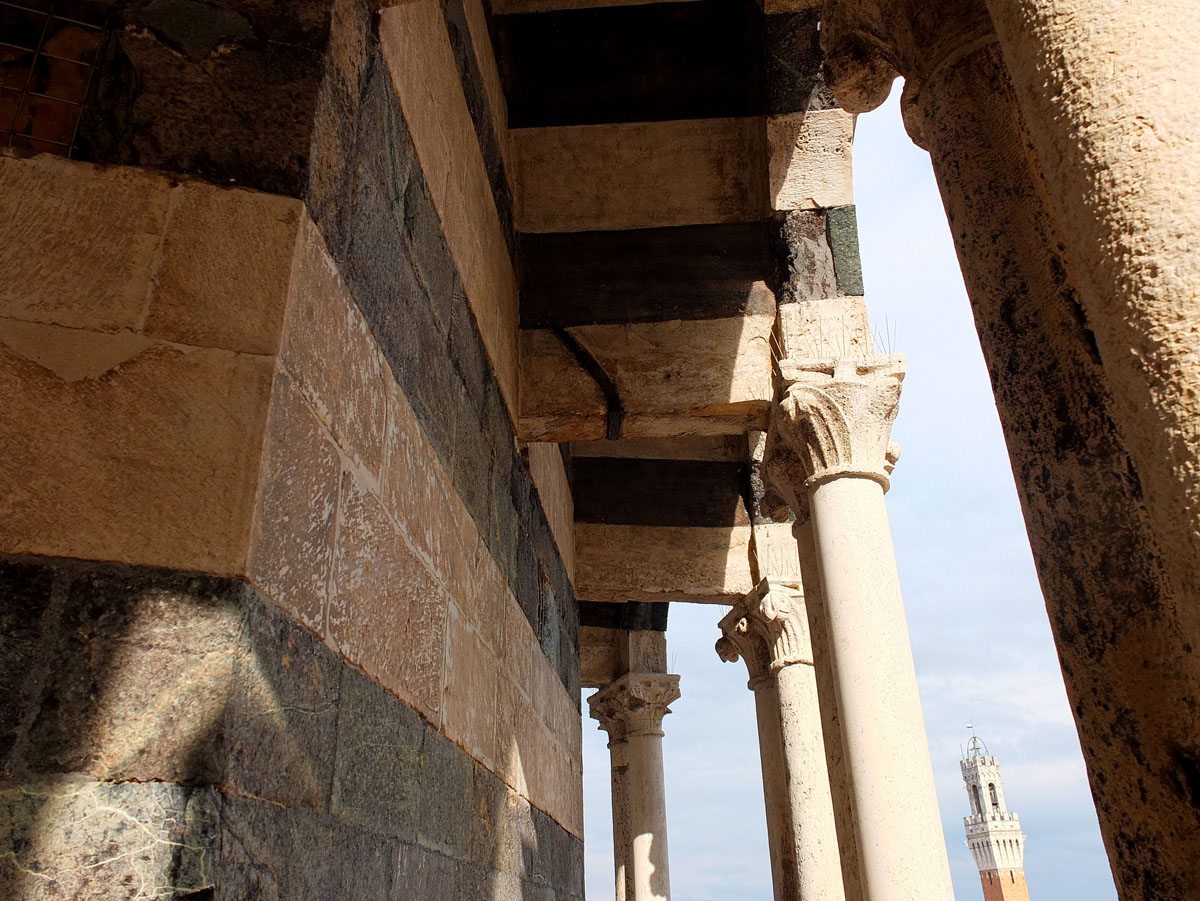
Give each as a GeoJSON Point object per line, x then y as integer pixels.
{"type": "Point", "coordinates": [768, 629]}
{"type": "Point", "coordinates": [868, 43]}
{"type": "Point", "coordinates": [835, 420]}
{"type": "Point", "coordinates": [635, 704]}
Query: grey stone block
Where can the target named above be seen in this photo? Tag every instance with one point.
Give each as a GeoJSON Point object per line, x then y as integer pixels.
{"type": "Point", "coordinates": [85, 840]}
{"type": "Point", "coordinates": [842, 224]}
{"type": "Point", "coordinates": [378, 770]}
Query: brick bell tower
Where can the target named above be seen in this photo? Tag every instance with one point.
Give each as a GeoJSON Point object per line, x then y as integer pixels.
{"type": "Point", "coordinates": [993, 831]}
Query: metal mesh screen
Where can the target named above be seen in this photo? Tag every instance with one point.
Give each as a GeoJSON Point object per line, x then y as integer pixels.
{"type": "Point", "coordinates": [47, 59]}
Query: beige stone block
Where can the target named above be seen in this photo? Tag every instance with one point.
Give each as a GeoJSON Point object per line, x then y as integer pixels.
{"type": "Point", "coordinates": [387, 613]}
{"type": "Point", "coordinates": [775, 551]}
{"type": "Point", "coordinates": [728, 448]}
{"type": "Point", "coordinates": [77, 241]}
{"type": "Point", "coordinates": [493, 599]}
{"type": "Point", "coordinates": [489, 69]}
{"type": "Point", "coordinates": [617, 563]}
{"type": "Point", "coordinates": [770, 7]}
{"type": "Point", "coordinates": [502, 7]}
{"type": "Point", "coordinates": [515, 755]}
{"type": "Point", "coordinates": [678, 378]}
{"type": "Point", "coordinates": [414, 485]}
{"type": "Point", "coordinates": [599, 656]}
{"type": "Point", "coordinates": [639, 174]}
{"type": "Point", "coordinates": [291, 555]}
{"type": "Point", "coordinates": [549, 477]}
{"type": "Point", "coordinates": [522, 652]}
{"type": "Point", "coordinates": [821, 329]}
{"type": "Point", "coordinates": [421, 61]}
{"type": "Point", "coordinates": [152, 461]}
{"type": "Point", "coordinates": [226, 263]}
{"type": "Point", "coordinates": [330, 352]}
{"type": "Point", "coordinates": [469, 705]}
{"type": "Point", "coordinates": [810, 159]}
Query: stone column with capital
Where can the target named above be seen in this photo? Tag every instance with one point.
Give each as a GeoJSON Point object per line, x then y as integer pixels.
{"type": "Point", "coordinates": [631, 711]}
{"type": "Point", "coordinates": [830, 445]}
{"type": "Point", "coordinates": [1100, 465]}
{"type": "Point", "coordinates": [769, 630]}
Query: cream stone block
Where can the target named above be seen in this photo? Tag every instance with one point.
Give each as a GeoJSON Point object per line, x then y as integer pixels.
{"type": "Point", "coordinates": [549, 476]}
{"type": "Point", "coordinates": [469, 698]}
{"type": "Point", "coordinates": [770, 7]}
{"type": "Point", "coordinates": [330, 351]}
{"type": "Point", "coordinates": [599, 656]}
{"type": "Point", "coordinates": [620, 563]}
{"type": "Point", "coordinates": [501, 7]}
{"type": "Point", "coordinates": [78, 242]}
{"type": "Point", "coordinates": [226, 261]}
{"type": "Point", "coordinates": [153, 460]}
{"type": "Point", "coordinates": [387, 611]}
{"type": "Point", "coordinates": [639, 174]}
{"type": "Point", "coordinates": [291, 555]}
{"type": "Point", "coordinates": [810, 159]}
{"type": "Point", "coordinates": [677, 378]}
{"type": "Point", "coordinates": [421, 61]}
{"type": "Point", "coordinates": [823, 329]}
{"type": "Point", "coordinates": [489, 69]}
{"type": "Point", "coordinates": [728, 448]}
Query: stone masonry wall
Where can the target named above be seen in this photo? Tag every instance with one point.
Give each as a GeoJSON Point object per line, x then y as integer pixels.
{"type": "Point", "coordinates": [168, 735]}
{"type": "Point", "coordinates": [232, 408]}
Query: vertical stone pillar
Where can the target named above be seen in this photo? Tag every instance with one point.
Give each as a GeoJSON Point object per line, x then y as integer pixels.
{"type": "Point", "coordinates": [1108, 92]}
{"type": "Point", "coordinates": [634, 706]}
{"type": "Point", "coordinates": [831, 722]}
{"type": "Point", "coordinates": [1106, 562]}
{"type": "Point", "coordinates": [618, 751]}
{"type": "Point", "coordinates": [833, 425]}
{"type": "Point", "coordinates": [769, 630]}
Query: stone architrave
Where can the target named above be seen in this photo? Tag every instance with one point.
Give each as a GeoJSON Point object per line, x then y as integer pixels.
{"type": "Point", "coordinates": [632, 708]}
{"type": "Point", "coordinates": [830, 444]}
{"type": "Point", "coordinates": [769, 630]}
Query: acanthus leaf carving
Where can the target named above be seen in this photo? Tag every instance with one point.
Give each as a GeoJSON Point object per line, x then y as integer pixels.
{"type": "Point", "coordinates": [768, 629]}
{"type": "Point", "coordinates": [634, 704]}
{"type": "Point", "coordinates": [835, 419]}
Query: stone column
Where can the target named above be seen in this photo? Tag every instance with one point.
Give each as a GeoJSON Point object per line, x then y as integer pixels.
{"type": "Point", "coordinates": [634, 706]}
{"type": "Point", "coordinates": [1101, 552]}
{"type": "Point", "coordinates": [1109, 90]}
{"type": "Point", "coordinates": [769, 630]}
{"type": "Point", "coordinates": [834, 424]}
{"type": "Point", "coordinates": [618, 751]}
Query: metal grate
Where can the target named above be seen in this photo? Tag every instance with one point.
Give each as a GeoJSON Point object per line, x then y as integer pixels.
{"type": "Point", "coordinates": [47, 59]}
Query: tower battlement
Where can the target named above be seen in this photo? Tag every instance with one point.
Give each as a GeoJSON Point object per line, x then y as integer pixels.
{"type": "Point", "coordinates": [993, 831]}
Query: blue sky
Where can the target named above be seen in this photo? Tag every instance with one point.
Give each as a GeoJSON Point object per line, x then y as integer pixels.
{"type": "Point", "coordinates": [980, 635]}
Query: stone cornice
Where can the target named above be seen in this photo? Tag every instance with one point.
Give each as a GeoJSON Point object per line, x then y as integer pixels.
{"type": "Point", "coordinates": [835, 420]}
{"type": "Point", "coordinates": [634, 704]}
{"type": "Point", "coordinates": [768, 629]}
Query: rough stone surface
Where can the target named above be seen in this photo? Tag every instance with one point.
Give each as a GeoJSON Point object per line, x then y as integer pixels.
{"type": "Point", "coordinates": [250, 70]}
{"type": "Point", "coordinates": [805, 258]}
{"type": "Point", "coordinates": [842, 224]}
{"type": "Point", "coordinates": [178, 733]}
{"type": "Point", "coordinates": [638, 174]}
{"type": "Point", "coordinates": [810, 159]}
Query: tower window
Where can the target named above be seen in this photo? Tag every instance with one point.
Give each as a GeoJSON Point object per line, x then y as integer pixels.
{"type": "Point", "coordinates": [992, 792]}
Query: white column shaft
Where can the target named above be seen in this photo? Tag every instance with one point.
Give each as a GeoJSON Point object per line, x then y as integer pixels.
{"type": "Point", "coordinates": [814, 833]}
{"type": "Point", "coordinates": [622, 832]}
{"type": "Point", "coordinates": [648, 818]}
{"type": "Point", "coordinates": [784, 877]}
{"type": "Point", "coordinates": [900, 842]}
